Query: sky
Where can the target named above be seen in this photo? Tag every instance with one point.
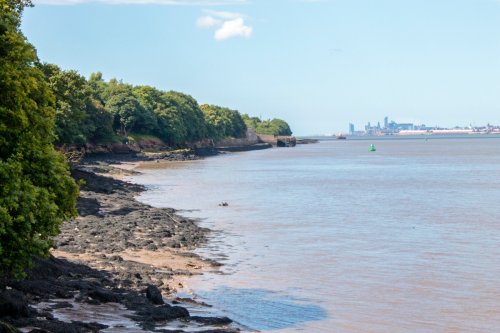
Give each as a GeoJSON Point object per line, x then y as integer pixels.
{"type": "Point", "coordinates": [318, 64]}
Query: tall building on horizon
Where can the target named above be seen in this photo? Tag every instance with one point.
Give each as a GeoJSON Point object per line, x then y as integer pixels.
{"type": "Point", "coordinates": [386, 122]}
{"type": "Point", "coordinates": [351, 128]}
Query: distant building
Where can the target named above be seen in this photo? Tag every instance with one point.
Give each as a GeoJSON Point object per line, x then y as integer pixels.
{"type": "Point", "coordinates": [386, 122]}
{"type": "Point", "coordinates": [351, 129]}
{"type": "Point", "coordinates": [405, 127]}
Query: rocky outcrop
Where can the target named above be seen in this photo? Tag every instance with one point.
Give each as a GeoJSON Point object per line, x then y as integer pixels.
{"type": "Point", "coordinates": [154, 295]}
{"type": "Point", "coordinates": [278, 140]}
{"type": "Point", "coordinates": [250, 139]}
{"type": "Point", "coordinates": [249, 142]}
{"type": "Point", "coordinates": [129, 147]}
{"type": "Point", "coordinates": [14, 304]}
{"type": "Point", "coordinates": [114, 222]}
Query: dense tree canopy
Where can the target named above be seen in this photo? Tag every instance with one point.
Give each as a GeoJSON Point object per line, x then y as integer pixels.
{"type": "Point", "coordinates": [72, 98]}
{"type": "Point", "coordinates": [36, 190]}
{"type": "Point", "coordinates": [190, 114]}
{"type": "Point", "coordinates": [80, 114]}
{"type": "Point", "coordinates": [270, 127]}
{"type": "Point", "coordinates": [223, 122]}
{"type": "Point", "coordinates": [128, 114]}
{"type": "Point", "coordinates": [97, 111]}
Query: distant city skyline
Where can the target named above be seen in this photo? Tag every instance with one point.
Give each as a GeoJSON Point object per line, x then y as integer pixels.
{"type": "Point", "coordinates": [317, 64]}
{"type": "Point", "coordinates": [389, 127]}
{"type": "Point", "coordinates": [383, 124]}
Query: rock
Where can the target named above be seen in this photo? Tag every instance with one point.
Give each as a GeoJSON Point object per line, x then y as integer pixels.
{"type": "Point", "coordinates": [167, 312]}
{"type": "Point", "coordinates": [104, 295]}
{"type": "Point", "coordinates": [154, 295]}
{"type": "Point", "coordinates": [152, 247]}
{"type": "Point", "coordinates": [14, 304]}
{"type": "Point", "coordinates": [54, 326]}
{"type": "Point", "coordinates": [87, 206]}
{"type": "Point", "coordinates": [93, 326]}
{"type": "Point", "coordinates": [211, 320]}
{"type": "Point", "coordinates": [63, 294]}
{"type": "Point", "coordinates": [225, 330]}
{"type": "Point", "coordinates": [61, 305]}
{"type": "Point", "coordinates": [116, 258]}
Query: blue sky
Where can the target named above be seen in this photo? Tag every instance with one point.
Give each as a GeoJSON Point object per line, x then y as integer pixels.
{"type": "Point", "coordinates": [317, 64]}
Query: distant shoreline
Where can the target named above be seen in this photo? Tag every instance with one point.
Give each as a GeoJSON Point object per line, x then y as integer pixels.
{"type": "Point", "coordinates": [406, 137]}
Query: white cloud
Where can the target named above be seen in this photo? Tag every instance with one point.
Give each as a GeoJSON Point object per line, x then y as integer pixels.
{"type": "Point", "coordinates": [233, 28]}
{"type": "Point", "coordinates": [223, 15]}
{"type": "Point", "coordinates": [144, 2]}
{"type": "Point", "coordinates": [207, 21]}
{"type": "Point", "coordinates": [227, 24]}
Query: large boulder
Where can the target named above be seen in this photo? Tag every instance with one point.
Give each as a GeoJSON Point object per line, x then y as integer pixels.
{"type": "Point", "coordinates": [13, 304]}
{"type": "Point", "coordinates": [154, 295]}
{"type": "Point", "coordinates": [103, 295]}
{"type": "Point", "coordinates": [167, 312]}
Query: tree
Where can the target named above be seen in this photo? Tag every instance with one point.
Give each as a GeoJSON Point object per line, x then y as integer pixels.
{"type": "Point", "coordinates": [279, 127]}
{"type": "Point", "coordinates": [223, 122]}
{"type": "Point", "coordinates": [100, 120]}
{"type": "Point", "coordinates": [269, 127]}
{"type": "Point", "coordinates": [170, 127]}
{"type": "Point", "coordinates": [252, 122]}
{"type": "Point", "coordinates": [189, 111]}
{"type": "Point", "coordinates": [127, 111]}
{"type": "Point", "coordinates": [36, 190]}
{"type": "Point", "coordinates": [72, 97]}
{"type": "Point", "coordinates": [97, 87]}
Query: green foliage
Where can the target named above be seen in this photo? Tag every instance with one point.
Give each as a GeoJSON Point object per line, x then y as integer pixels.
{"type": "Point", "coordinates": [97, 87]}
{"type": "Point", "coordinates": [188, 112]}
{"type": "Point", "coordinates": [223, 122]}
{"type": "Point", "coordinates": [142, 137]}
{"type": "Point", "coordinates": [36, 190]}
{"type": "Point", "coordinates": [168, 121]}
{"type": "Point", "coordinates": [269, 127]}
{"type": "Point", "coordinates": [80, 115]}
{"type": "Point", "coordinates": [100, 121]}
{"type": "Point", "coordinates": [72, 96]}
{"type": "Point", "coordinates": [128, 113]}
{"type": "Point", "coordinates": [178, 116]}
{"type": "Point", "coordinates": [97, 111]}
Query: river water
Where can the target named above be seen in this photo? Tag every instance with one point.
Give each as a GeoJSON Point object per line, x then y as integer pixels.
{"type": "Point", "coordinates": [330, 237]}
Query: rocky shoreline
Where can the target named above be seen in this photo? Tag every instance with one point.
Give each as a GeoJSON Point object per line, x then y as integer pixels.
{"type": "Point", "coordinates": [119, 256]}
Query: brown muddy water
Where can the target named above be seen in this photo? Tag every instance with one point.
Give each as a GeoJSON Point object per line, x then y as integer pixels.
{"type": "Point", "coordinates": [333, 238]}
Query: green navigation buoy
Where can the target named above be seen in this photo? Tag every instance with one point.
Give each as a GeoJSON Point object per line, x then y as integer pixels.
{"type": "Point", "coordinates": [372, 147]}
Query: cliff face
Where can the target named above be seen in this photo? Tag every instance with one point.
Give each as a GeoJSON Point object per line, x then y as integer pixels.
{"type": "Point", "coordinates": [278, 140]}
{"type": "Point", "coordinates": [250, 139]}
{"type": "Point", "coordinates": [134, 146]}
{"type": "Point", "coordinates": [204, 147]}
